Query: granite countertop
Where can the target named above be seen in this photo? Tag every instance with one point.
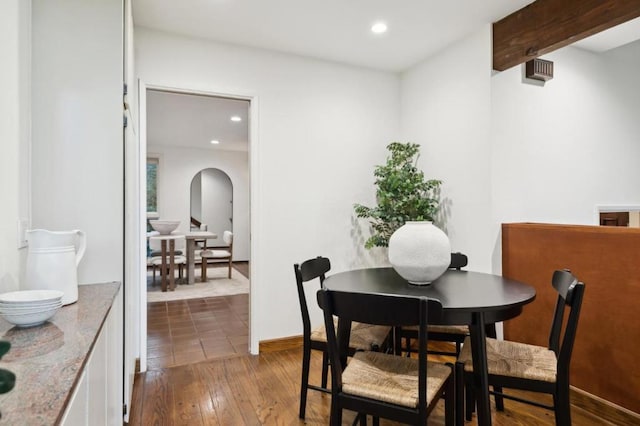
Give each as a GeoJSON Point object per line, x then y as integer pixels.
{"type": "Point", "coordinates": [48, 359]}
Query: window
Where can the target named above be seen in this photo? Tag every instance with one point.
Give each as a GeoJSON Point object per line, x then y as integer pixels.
{"type": "Point", "coordinates": [152, 186]}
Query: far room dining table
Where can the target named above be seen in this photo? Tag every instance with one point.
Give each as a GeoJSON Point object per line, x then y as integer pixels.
{"type": "Point", "coordinates": [191, 238]}
{"type": "Point", "coordinates": [468, 298]}
{"type": "Point", "coordinates": [167, 266]}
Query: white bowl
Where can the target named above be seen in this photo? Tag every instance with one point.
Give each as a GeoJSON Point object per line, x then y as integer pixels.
{"type": "Point", "coordinates": [29, 320]}
{"type": "Point", "coordinates": [31, 297]}
{"type": "Point", "coordinates": [164, 227]}
{"type": "Point", "coordinates": [28, 309]}
{"type": "Point", "coordinates": [29, 304]}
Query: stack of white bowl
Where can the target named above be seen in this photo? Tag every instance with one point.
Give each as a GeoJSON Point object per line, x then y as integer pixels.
{"type": "Point", "coordinates": [28, 308]}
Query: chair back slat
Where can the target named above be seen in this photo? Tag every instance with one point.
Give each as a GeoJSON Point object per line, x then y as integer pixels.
{"type": "Point", "coordinates": [309, 270]}
{"type": "Point", "coordinates": [570, 295]}
{"type": "Point", "coordinates": [315, 268]}
{"type": "Point", "coordinates": [458, 261]}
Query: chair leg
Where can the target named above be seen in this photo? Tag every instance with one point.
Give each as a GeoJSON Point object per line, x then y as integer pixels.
{"type": "Point", "coordinates": [304, 382]}
{"type": "Point", "coordinates": [336, 414]}
{"type": "Point", "coordinates": [562, 409]}
{"type": "Point", "coordinates": [470, 403]}
{"type": "Point", "coordinates": [459, 378]}
{"type": "Point", "coordinates": [407, 342]}
{"type": "Point", "coordinates": [376, 421]}
{"type": "Point", "coordinates": [397, 341]}
{"type": "Point", "coordinates": [363, 419]}
{"type": "Point", "coordinates": [499, 398]}
{"type": "Point", "coordinates": [229, 268]}
{"type": "Point", "coordinates": [153, 269]}
{"type": "Point", "coordinates": [325, 368]}
{"type": "Point", "coordinates": [450, 401]}
{"type": "Point", "coordinates": [203, 272]}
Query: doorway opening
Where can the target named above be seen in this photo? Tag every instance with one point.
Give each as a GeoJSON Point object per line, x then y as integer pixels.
{"type": "Point", "coordinates": [623, 215]}
{"type": "Point", "coordinates": [197, 151]}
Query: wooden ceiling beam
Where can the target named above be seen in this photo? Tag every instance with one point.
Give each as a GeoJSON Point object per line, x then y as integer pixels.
{"type": "Point", "coordinates": [546, 25]}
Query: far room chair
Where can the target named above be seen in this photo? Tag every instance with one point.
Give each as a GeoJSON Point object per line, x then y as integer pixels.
{"type": "Point", "coordinates": [219, 254]}
{"type": "Point", "coordinates": [529, 367]}
{"type": "Point", "coordinates": [363, 336]}
{"type": "Point", "coordinates": [385, 385]}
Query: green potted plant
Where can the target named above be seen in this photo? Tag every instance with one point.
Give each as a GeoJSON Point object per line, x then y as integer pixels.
{"type": "Point", "coordinates": [418, 250]}
{"type": "Point", "coordinates": [402, 194]}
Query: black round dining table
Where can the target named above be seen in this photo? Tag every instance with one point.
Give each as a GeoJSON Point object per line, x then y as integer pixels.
{"type": "Point", "coordinates": [467, 298]}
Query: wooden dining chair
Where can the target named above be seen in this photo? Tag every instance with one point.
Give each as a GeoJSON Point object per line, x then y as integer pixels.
{"type": "Point", "coordinates": [219, 254]}
{"type": "Point", "coordinates": [364, 336]}
{"type": "Point", "coordinates": [444, 333]}
{"type": "Point", "coordinates": [380, 384]}
{"type": "Point", "coordinates": [529, 367]}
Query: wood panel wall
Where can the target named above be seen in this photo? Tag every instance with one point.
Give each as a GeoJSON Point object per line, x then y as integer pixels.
{"type": "Point", "coordinates": [606, 356]}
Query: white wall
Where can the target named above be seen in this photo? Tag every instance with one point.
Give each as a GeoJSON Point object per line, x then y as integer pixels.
{"type": "Point", "coordinates": [446, 109]}
{"type": "Point", "coordinates": [562, 149]}
{"type": "Point", "coordinates": [511, 152]}
{"type": "Point", "coordinates": [322, 127]}
{"type": "Point", "coordinates": [77, 144]}
{"type": "Point", "coordinates": [15, 86]}
{"type": "Point", "coordinates": [177, 168]}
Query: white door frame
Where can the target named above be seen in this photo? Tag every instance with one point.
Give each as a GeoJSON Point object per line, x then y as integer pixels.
{"type": "Point", "coordinates": [254, 155]}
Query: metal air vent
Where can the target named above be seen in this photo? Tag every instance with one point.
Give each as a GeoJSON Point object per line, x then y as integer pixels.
{"type": "Point", "coordinates": [539, 69]}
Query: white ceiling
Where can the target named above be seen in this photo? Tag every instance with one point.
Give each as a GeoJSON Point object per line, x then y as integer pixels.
{"type": "Point", "coordinates": [192, 121]}
{"type": "Point", "coordinates": [614, 37]}
{"type": "Point", "coordinates": [335, 30]}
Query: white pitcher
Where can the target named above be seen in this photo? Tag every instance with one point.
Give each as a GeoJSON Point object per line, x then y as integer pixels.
{"type": "Point", "coordinates": [52, 261]}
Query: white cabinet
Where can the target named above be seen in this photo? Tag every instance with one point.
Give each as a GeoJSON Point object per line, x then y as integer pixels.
{"type": "Point", "coordinates": [97, 399]}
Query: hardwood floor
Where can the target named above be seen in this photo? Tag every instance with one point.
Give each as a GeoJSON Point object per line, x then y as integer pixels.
{"type": "Point", "coordinates": [186, 331]}
{"type": "Point", "coordinates": [264, 390]}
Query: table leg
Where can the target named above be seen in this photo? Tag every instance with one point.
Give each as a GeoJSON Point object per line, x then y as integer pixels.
{"type": "Point", "coordinates": [172, 265]}
{"type": "Point", "coordinates": [191, 260]}
{"type": "Point", "coordinates": [480, 374]}
{"type": "Point", "coordinates": [163, 265]}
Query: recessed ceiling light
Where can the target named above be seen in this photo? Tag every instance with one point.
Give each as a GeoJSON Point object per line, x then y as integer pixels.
{"type": "Point", "coordinates": [236, 118]}
{"type": "Point", "coordinates": [215, 142]}
{"type": "Point", "coordinates": [379, 28]}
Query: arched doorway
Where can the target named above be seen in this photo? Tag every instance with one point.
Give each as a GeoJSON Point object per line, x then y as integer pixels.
{"type": "Point", "coordinates": [211, 205]}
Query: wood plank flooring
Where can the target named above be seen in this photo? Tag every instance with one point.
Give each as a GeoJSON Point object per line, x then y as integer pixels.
{"type": "Point", "coordinates": [264, 390]}
{"type": "Point", "coordinates": [186, 331]}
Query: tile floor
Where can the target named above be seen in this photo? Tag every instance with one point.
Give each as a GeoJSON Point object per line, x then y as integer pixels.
{"type": "Point", "coordinates": [187, 331]}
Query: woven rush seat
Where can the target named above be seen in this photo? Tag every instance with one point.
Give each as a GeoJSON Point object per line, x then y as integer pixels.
{"type": "Point", "coordinates": [453, 329]}
{"type": "Point", "coordinates": [391, 378]}
{"type": "Point", "coordinates": [514, 359]}
{"type": "Point", "coordinates": [363, 337]}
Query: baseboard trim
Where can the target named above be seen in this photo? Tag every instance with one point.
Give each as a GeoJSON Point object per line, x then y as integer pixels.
{"type": "Point", "coordinates": [282, 344]}
{"type": "Point", "coordinates": [602, 408]}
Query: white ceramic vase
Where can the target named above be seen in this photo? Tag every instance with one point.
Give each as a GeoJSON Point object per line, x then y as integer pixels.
{"type": "Point", "coordinates": [419, 252]}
